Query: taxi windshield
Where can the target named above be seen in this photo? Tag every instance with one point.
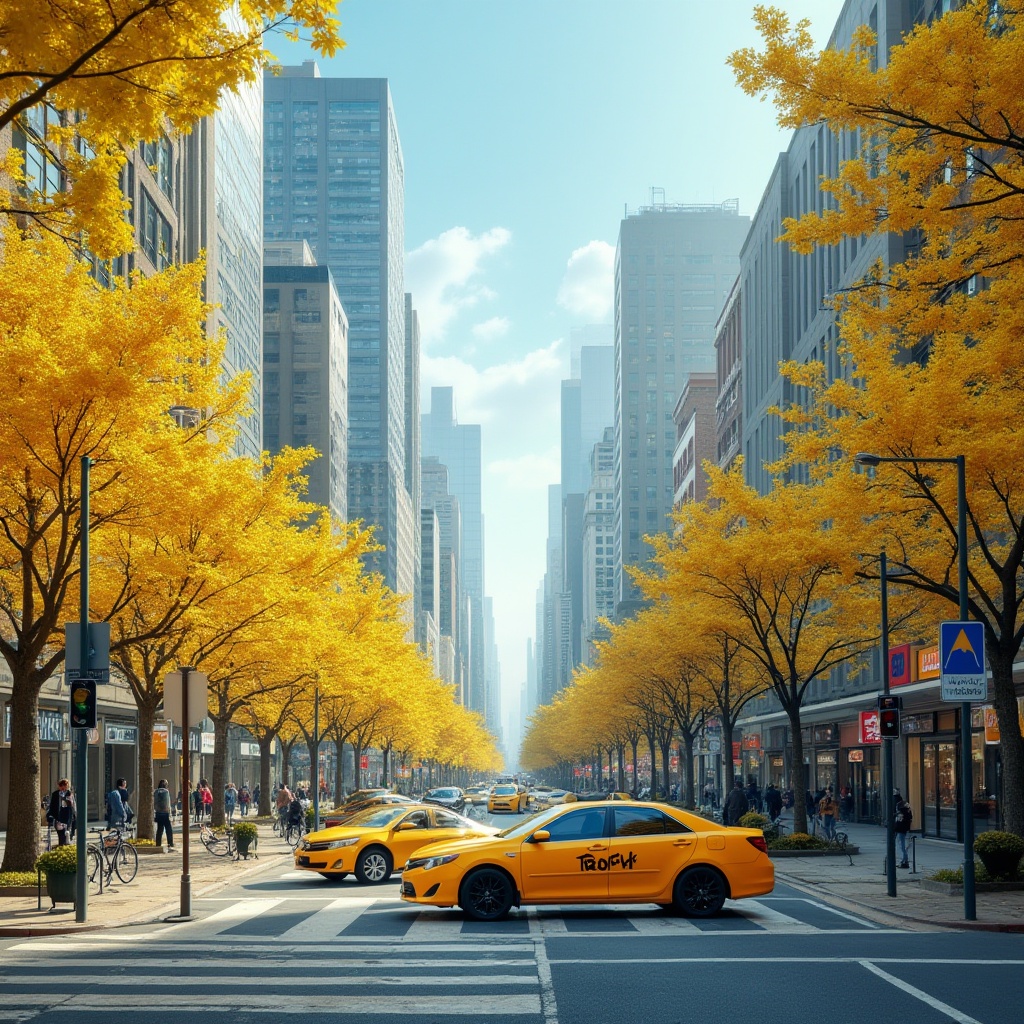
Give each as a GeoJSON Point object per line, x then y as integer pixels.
{"type": "Point", "coordinates": [376, 817]}
{"type": "Point", "coordinates": [530, 824]}
{"type": "Point", "coordinates": [505, 790]}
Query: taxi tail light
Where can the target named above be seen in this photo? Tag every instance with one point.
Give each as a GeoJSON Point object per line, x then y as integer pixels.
{"type": "Point", "coordinates": [759, 842]}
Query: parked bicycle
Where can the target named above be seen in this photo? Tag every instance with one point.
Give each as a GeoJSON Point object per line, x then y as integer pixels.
{"type": "Point", "coordinates": [109, 855]}
{"type": "Point", "coordinates": [220, 844]}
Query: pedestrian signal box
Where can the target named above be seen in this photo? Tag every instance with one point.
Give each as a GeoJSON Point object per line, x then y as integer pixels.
{"type": "Point", "coordinates": [83, 704]}
{"type": "Point", "coordinates": [889, 716]}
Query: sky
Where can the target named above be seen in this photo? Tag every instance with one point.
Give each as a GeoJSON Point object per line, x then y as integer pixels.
{"type": "Point", "coordinates": [527, 128]}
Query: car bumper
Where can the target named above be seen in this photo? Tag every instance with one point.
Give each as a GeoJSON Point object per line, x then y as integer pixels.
{"type": "Point", "coordinates": [325, 861]}
{"type": "Point", "coordinates": [757, 879]}
{"type": "Point", "coordinates": [420, 887]}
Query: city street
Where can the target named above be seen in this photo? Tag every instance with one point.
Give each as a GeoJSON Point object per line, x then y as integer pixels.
{"type": "Point", "coordinates": [287, 942]}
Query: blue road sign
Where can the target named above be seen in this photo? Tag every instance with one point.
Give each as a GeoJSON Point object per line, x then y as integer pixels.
{"type": "Point", "coordinates": [962, 657]}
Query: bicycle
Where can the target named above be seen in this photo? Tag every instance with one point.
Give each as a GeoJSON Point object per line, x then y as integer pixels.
{"type": "Point", "coordinates": [280, 825]}
{"type": "Point", "coordinates": [220, 844]}
{"type": "Point", "coordinates": [111, 855]}
{"type": "Point", "coordinates": [294, 831]}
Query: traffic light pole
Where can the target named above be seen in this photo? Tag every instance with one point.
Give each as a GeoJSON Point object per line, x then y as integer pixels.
{"type": "Point", "coordinates": [887, 769]}
{"type": "Point", "coordinates": [81, 773]}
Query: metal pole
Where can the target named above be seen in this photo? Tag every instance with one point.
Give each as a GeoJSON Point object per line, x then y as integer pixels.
{"type": "Point", "coordinates": [967, 786]}
{"type": "Point", "coordinates": [316, 760]}
{"type": "Point", "coordinates": [887, 772]}
{"type": "Point", "coordinates": [185, 902]}
{"type": "Point", "coordinates": [82, 738]}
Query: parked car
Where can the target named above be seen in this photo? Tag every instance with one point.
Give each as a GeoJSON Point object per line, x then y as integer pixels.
{"type": "Point", "coordinates": [476, 795]}
{"type": "Point", "coordinates": [447, 796]}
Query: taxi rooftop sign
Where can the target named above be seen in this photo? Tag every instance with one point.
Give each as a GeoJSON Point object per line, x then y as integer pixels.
{"type": "Point", "coordinates": [962, 656]}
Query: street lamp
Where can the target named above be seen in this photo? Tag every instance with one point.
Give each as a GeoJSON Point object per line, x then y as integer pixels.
{"type": "Point", "coordinates": [966, 787]}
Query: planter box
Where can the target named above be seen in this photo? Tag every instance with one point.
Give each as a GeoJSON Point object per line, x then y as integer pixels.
{"type": "Point", "coordinates": [61, 888]}
{"type": "Point", "coordinates": [146, 851]}
{"type": "Point", "coordinates": [18, 890]}
{"type": "Point", "coordinates": [782, 854]}
{"type": "Point", "coordinates": [952, 889]}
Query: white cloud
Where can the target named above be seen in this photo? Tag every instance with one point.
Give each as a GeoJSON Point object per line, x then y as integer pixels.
{"type": "Point", "coordinates": [440, 275]}
{"type": "Point", "coordinates": [496, 327]}
{"type": "Point", "coordinates": [587, 287]}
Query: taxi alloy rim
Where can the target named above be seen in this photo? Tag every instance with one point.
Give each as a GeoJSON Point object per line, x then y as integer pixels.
{"type": "Point", "coordinates": [702, 892]}
{"type": "Point", "coordinates": [375, 866]}
{"type": "Point", "coordinates": [487, 894]}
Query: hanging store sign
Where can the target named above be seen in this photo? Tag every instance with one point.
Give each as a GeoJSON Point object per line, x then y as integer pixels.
{"type": "Point", "coordinates": [899, 665]}
{"type": "Point", "coordinates": [868, 730]}
{"type": "Point", "coordinates": [855, 756]}
{"type": "Point", "coordinates": [826, 757]}
{"type": "Point", "coordinates": [121, 735]}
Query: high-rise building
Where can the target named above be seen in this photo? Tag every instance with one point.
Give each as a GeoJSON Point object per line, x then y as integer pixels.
{"type": "Point", "coordinates": [674, 266]}
{"type": "Point", "coordinates": [412, 438]}
{"type": "Point", "coordinates": [457, 446]}
{"type": "Point", "coordinates": [305, 369]}
{"type": "Point", "coordinates": [729, 372]}
{"type": "Point", "coordinates": [333, 175]}
{"type": "Point", "coordinates": [597, 546]}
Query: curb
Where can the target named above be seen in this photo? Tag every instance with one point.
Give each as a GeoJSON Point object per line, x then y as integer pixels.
{"type": "Point", "coordinates": [829, 897]}
{"type": "Point", "coordinates": [146, 917]}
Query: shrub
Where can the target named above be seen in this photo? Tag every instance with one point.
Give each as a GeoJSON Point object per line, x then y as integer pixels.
{"type": "Point", "coordinates": [1000, 852]}
{"type": "Point", "coordinates": [245, 832]}
{"type": "Point", "coordinates": [797, 841]}
{"type": "Point", "coordinates": [955, 876]}
{"type": "Point", "coordinates": [142, 842]}
{"type": "Point", "coordinates": [17, 878]}
{"type": "Point", "coordinates": [753, 820]}
{"type": "Point", "coordinates": [62, 860]}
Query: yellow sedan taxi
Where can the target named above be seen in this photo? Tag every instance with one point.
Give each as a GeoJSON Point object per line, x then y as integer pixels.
{"type": "Point", "coordinates": [373, 842]}
{"type": "Point", "coordinates": [608, 852]}
{"type": "Point", "coordinates": [506, 798]}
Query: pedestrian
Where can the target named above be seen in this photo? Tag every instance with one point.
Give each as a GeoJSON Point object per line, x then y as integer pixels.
{"type": "Point", "coordinates": [846, 803]}
{"type": "Point", "coordinates": [772, 801]}
{"type": "Point", "coordinates": [735, 804]}
{"type": "Point", "coordinates": [62, 814]}
{"type": "Point", "coordinates": [207, 799]}
{"type": "Point", "coordinates": [256, 799]}
{"type": "Point", "coordinates": [244, 799]}
{"type": "Point", "coordinates": [230, 801]}
{"type": "Point", "coordinates": [829, 810]}
{"type": "Point", "coordinates": [196, 798]}
{"type": "Point", "coordinates": [753, 796]}
{"type": "Point", "coordinates": [902, 821]}
{"type": "Point", "coordinates": [162, 814]}
{"type": "Point", "coordinates": [788, 798]}
{"type": "Point", "coordinates": [282, 799]}
{"type": "Point", "coordinates": [118, 808]}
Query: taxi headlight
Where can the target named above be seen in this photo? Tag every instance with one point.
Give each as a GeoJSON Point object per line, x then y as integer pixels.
{"type": "Point", "coordinates": [431, 862]}
{"type": "Point", "coordinates": [337, 844]}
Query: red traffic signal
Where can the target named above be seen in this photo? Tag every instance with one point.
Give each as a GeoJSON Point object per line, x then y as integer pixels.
{"type": "Point", "coordinates": [83, 703]}
{"type": "Point", "coordinates": [889, 723]}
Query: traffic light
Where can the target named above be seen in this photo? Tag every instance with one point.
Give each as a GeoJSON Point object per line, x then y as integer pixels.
{"type": "Point", "coordinates": [83, 703]}
{"type": "Point", "coordinates": [889, 717]}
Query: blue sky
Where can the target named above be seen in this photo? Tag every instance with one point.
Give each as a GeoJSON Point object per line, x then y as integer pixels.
{"type": "Point", "coordinates": [527, 127]}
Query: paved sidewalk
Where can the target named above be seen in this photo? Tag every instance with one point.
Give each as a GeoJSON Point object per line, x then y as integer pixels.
{"type": "Point", "coordinates": [862, 885]}
{"type": "Point", "coordinates": [155, 892]}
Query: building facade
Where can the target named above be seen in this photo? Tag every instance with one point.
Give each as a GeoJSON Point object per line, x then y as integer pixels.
{"type": "Point", "coordinates": [694, 417]}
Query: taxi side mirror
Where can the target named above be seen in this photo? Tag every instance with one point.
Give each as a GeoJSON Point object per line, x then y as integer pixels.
{"type": "Point", "coordinates": [542, 835]}
{"type": "Point", "coordinates": [406, 825]}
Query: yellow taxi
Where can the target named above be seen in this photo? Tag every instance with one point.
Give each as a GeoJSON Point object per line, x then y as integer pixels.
{"type": "Point", "coordinates": [374, 841]}
{"type": "Point", "coordinates": [508, 797]}
{"type": "Point", "coordinates": [608, 852]}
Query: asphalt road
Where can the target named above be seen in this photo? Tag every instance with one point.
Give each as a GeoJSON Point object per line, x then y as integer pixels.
{"type": "Point", "coordinates": [290, 944]}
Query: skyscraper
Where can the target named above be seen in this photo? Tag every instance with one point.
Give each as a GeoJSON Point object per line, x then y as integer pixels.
{"type": "Point", "coordinates": [333, 175]}
{"type": "Point", "coordinates": [674, 266]}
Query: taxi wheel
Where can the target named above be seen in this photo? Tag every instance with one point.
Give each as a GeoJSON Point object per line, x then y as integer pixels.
{"type": "Point", "coordinates": [334, 876]}
{"type": "Point", "coordinates": [373, 865]}
{"type": "Point", "coordinates": [486, 895]}
{"type": "Point", "coordinates": [699, 892]}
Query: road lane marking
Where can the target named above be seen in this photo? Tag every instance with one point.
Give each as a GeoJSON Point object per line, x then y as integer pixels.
{"type": "Point", "coordinates": [329, 921]}
{"type": "Point", "coordinates": [428, 925]}
{"type": "Point", "coordinates": [935, 1004]}
{"type": "Point", "coordinates": [775, 920]}
{"type": "Point", "coordinates": [244, 910]}
{"type": "Point", "coordinates": [549, 1006]}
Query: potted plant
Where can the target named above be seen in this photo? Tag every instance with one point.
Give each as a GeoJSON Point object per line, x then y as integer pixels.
{"type": "Point", "coordinates": [246, 838]}
{"type": "Point", "coordinates": [60, 866]}
{"type": "Point", "coordinates": [1000, 852]}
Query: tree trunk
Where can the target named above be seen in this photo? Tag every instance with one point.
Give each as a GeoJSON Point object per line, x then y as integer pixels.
{"type": "Point", "coordinates": [652, 747]}
{"type": "Point", "coordinates": [357, 771]}
{"type": "Point", "coordinates": [728, 768]}
{"type": "Point", "coordinates": [23, 809]}
{"type": "Point", "coordinates": [144, 788]}
{"type": "Point", "coordinates": [621, 751]}
{"type": "Point", "coordinates": [220, 760]}
{"type": "Point", "coordinates": [266, 788]}
{"type": "Point", "coordinates": [665, 768]}
{"type": "Point", "coordinates": [799, 775]}
{"type": "Point", "coordinates": [691, 795]}
{"type": "Point", "coordinates": [339, 772]}
{"type": "Point", "coordinates": [1011, 745]}
{"type": "Point", "coordinates": [636, 781]}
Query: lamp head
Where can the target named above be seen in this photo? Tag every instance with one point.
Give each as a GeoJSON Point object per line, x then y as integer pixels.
{"type": "Point", "coordinates": [866, 459]}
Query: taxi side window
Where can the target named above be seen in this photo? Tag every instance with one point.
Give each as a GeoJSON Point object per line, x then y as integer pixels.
{"type": "Point", "coordinates": [575, 826]}
{"type": "Point", "coordinates": [645, 821]}
{"type": "Point", "coordinates": [418, 818]}
{"type": "Point", "coordinates": [444, 819]}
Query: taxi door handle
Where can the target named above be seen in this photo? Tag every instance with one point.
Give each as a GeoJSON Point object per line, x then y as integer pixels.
{"type": "Point", "coordinates": [598, 846]}
{"type": "Point", "coordinates": [682, 842]}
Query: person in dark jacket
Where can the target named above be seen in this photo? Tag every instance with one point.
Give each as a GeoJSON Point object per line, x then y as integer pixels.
{"type": "Point", "coordinates": [61, 812]}
{"type": "Point", "coordinates": [735, 805]}
{"type": "Point", "coordinates": [902, 821]}
{"type": "Point", "coordinates": [772, 801]}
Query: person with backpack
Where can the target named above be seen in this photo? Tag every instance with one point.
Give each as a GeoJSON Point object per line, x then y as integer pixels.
{"type": "Point", "coordinates": [902, 820]}
{"type": "Point", "coordinates": [230, 802]}
{"type": "Point", "coordinates": [829, 811]}
{"type": "Point", "coordinates": [119, 813]}
{"type": "Point", "coordinates": [735, 805]}
{"type": "Point", "coordinates": [244, 799]}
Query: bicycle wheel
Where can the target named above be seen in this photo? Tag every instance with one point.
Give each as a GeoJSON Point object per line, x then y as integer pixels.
{"type": "Point", "coordinates": [95, 870]}
{"type": "Point", "coordinates": [126, 862]}
{"type": "Point", "coordinates": [293, 835]}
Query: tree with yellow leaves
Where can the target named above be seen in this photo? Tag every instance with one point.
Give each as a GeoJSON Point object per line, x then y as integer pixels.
{"type": "Point", "coordinates": [129, 70]}
{"type": "Point", "coordinates": [931, 350]}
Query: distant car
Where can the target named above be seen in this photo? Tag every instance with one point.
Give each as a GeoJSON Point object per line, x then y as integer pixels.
{"type": "Point", "coordinates": [549, 798]}
{"type": "Point", "coordinates": [447, 796]}
{"type": "Point", "coordinates": [476, 795]}
{"type": "Point", "coordinates": [613, 795]}
{"type": "Point", "coordinates": [507, 798]}
{"type": "Point", "coordinates": [610, 852]}
{"type": "Point", "coordinates": [342, 814]}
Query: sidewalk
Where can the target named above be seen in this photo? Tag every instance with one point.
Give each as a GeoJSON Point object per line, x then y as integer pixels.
{"type": "Point", "coordinates": [861, 887]}
{"type": "Point", "coordinates": [155, 892]}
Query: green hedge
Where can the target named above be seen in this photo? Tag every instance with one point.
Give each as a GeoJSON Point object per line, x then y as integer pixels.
{"type": "Point", "coordinates": [797, 841]}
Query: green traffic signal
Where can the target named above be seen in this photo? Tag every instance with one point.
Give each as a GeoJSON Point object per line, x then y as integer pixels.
{"type": "Point", "coordinates": [83, 704]}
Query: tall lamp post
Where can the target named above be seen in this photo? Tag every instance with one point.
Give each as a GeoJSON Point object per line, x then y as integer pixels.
{"type": "Point", "coordinates": [966, 785]}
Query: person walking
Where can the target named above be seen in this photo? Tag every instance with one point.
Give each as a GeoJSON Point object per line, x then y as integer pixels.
{"type": "Point", "coordinates": [772, 801]}
{"type": "Point", "coordinates": [62, 815]}
{"type": "Point", "coordinates": [118, 810]}
{"type": "Point", "coordinates": [196, 798]}
{"type": "Point", "coordinates": [244, 799]}
{"type": "Point", "coordinates": [902, 820]}
{"type": "Point", "coordinates": [162, 814]}
{"type": "Point", "coordinates": [256, 799]}
{"type": "Point", "coordinates": [735, 805]}
{"type": "Point", "coordinates": [230, 801]}
{"type": "Point", "coordinates": [207, 799]}
{"type": "Point", "coordinates": [829, 811]}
